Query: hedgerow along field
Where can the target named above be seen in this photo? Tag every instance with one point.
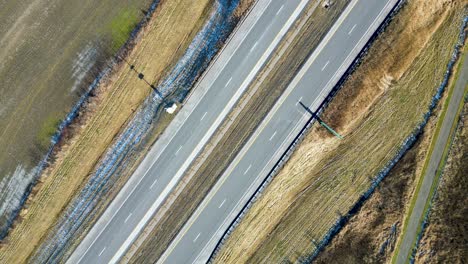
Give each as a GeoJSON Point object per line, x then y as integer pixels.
{"type": "Point", "coordinates": [50, 51]}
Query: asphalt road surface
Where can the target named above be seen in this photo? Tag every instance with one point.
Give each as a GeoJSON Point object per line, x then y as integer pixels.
{"type": "Point", "coordinates": [313, 82]}
{"type": "Point", "coordinates": [414, 222]}
{"type": "Point", "coordinates": [152, 182]}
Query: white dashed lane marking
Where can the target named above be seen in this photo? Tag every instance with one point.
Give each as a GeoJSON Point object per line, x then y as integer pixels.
{"type": "Point", "coordinates": [228, 82]}
{"type": "Point", "coordinates": [324, 66]}
{"type": "Point", "coordinates": [203, 116]}
{"type": "Point", "coordinates": [298, 101]}
{"type": "Point", "coordinates": [279, 11]}
{"type": "Point", "coordinates": [128, 217]}
{"type": "Point", "coordinates": [349, 33]}
{"type": "Point", "coordinates": [221, 205]}
{"type": "Point", "coordinates": [247, 170]}
{"type": "Point", "coordinates": [253, 47]}
{"type": "Point", "coordinates": [273, 136]}
{"type": "Point", "coordinates": [102, 251]}
{"type": "Point", "coordinates": [155, 181]}
{"type": "Point", "coordinates": [179, 149]}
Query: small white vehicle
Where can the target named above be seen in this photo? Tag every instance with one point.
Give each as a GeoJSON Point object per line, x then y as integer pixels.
{"type": "Point", "coordinates": [171, 109]}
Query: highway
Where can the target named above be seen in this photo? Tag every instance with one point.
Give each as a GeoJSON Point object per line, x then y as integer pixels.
{"type": "Point", "coordinates": [212, 99]}
{"type": "Point", "coordinates": [323, 69]}
{"type": "Point", "coordinates": [422, 197]}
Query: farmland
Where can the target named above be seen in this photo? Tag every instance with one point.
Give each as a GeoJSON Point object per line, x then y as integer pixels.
{"type": "Point", "coordinates": [50, 51]}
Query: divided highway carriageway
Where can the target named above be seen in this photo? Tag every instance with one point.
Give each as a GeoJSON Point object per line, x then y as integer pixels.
{"type": "Point", "coordinates": [227, 78]}
{"type": "Point", "coordinates": [312, 84]}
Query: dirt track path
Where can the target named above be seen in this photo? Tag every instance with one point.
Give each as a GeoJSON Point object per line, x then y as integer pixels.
{"type": "Point", "coordinates": [423, 195]}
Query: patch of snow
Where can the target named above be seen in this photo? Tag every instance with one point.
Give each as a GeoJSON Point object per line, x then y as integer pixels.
{"type": "Point", "coordinates": [12, 189]}
{"type": "Point", "coordinates": [83, 64]}
{"type": "Point", "coordinates": [171, 109]}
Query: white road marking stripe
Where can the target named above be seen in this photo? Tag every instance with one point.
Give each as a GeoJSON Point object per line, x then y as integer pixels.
{"type": "Point", "coordinates": [279, 11]}
{"type": "Point", "coordinates": [197, 237]}
{"type": "Point", "coordinates": [178, 150]}
{"type": "Point", "coordinates": [349, 33]}
{"type": "Point", "coordinates": [253, 47]}
{"type": "Point", "coordinates": [324, 66]}
{"type": "Point", "coordinates": [273, 136]}
{"type": "Point", "coordinates": [128, 217]}
{"type": "Point", "coordinates": [247, 170]}
{"type": "Point", "coordinates": [203, 116]}
{"type": "Point", "coordinates": [228, 82]}
{"type": "Point", "coordinates": [102, 251]}
{"type": "Point", "coordinates": [155, 181]}
{"type": "Point", "coordinates": [221, 205]}
{"type": "Point", "coordinates": [298, 101]}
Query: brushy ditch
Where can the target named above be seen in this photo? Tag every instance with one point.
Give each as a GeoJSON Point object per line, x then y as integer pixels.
{"type": "Point", "coordinates": [176, 86]}
{"type": "Point", "coordinates": [406, 145]}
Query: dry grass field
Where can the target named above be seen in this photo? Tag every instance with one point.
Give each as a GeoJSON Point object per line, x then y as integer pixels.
{"type": "Point", "coordinates": [106, 115]}
{"type": "Point", "coordinates": [376, 109]}
{"type": "Point", "coordinates": [379, 220]}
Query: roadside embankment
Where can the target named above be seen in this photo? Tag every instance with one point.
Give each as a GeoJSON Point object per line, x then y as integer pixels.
{"type": "Point", "coordinates": [377, 108]}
